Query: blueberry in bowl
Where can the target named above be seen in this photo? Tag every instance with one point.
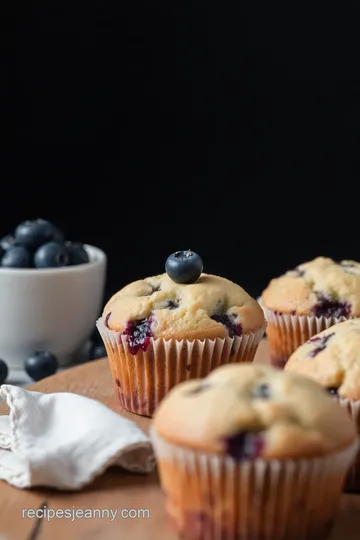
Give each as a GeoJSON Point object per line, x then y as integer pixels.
{"type": "Point", "coordinates": [40, 244]}
{"type": "Point", "coordinates": [51, 291]}
{"type": "Point", "coordinates": [76, 253]}
{"type": "Point", "coordinates": [16, 257]}
{"type": "Point", "coordinates": [6, 243]}
{"type": "Point", "coordinates": [32, 234]}
{"type": "Point", "coordinates": [51, 255]}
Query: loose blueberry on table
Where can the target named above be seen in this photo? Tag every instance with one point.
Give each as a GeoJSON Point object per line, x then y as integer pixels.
{"type": "Point", "coordinates": [40, 244]}
{"type": "Point", "coordinates": [4, 371]}
{"type": "Point", "coordinates": [184, 267]}
{"type": "Point", "coordinates": [41, 364]}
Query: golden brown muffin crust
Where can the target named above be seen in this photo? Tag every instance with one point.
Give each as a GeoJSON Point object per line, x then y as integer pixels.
{"type": "Point", "coordinates": [184, 311]}
{"type": "Point", "coordinates": [304, 290]}
{"type": "Point", "coordinates": [293, 416]}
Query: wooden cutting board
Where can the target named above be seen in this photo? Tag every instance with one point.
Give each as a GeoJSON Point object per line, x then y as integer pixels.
{"type": "Point", "coordinates": [115, 489]}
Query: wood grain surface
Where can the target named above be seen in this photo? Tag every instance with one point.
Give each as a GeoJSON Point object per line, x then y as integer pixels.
{"type": "Point", "coordinates": [114, 489]}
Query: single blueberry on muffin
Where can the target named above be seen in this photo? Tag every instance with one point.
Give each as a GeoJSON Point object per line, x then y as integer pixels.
{"type": "Point", "coordinates": [246, 436]}
{"type": "Point", "coordinates": [162, 330]}
{"type": "Point", "coordinates": [307, 300]}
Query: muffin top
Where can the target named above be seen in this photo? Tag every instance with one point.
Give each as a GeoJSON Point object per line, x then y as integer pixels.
{"type": "Point", "coordinates": [321, 287]}
{"type": "Point", "coordinates": [210, 308]}
{"type": "Point", "coordinates": [253, 410]}
{"type": "Point", "coordinates": [332, 358]}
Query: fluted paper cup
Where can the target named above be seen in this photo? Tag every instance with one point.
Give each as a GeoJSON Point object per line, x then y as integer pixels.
{"type": "Point", "coordinates": [214, 497]}
{"type": "Point", "coordinates": [287, 332]}
{"type": "Point", "coordinates": [143, 379]}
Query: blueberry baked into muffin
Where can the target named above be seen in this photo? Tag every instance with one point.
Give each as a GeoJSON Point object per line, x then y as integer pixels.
{"type": "Point", "coordinates": [307, 300]}
{"type": "Point", "coordinates": [179, 325]}
{"type": "Point", "coordinates": [252, 452]}
{"type": "Point", "coordinates": [332, 359]}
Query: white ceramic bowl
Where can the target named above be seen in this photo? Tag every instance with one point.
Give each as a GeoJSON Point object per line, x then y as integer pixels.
{"type": "Point", "coordinates": [51, 308]}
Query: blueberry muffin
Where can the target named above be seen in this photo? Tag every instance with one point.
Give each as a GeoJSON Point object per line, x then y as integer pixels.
{"type": "Point", "coordinates": [252, 452]}
{"type": "Point", "coordinates": [159, 332]}
{"type": "Point", "coordinates": [332, 359]}
{"type": "Point", "coordinates": [307, 300]}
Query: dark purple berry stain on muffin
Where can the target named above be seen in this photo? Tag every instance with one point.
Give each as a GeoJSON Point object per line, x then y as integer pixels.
{"type": "Point", "coordinates": [171, 305]}
{"type": "Point", "coordinates": [332, 390]}
{"type": "Point", "coordinates": [299, 272]}
{"type": "Point", "coordinates": [232, 328]}
{"type": "Point", "coordinates": [118, 383]}
{"type": "Point", "coordinates": [351, 268]}
{"type": "Point", "coordinates": [321, 344]}
{"type": "Point", "coordinates": [107, 320]}
{"type": "Point", "coordinates": [262, 391]}
{"type": "Point", "coordinates": [329, 307]}
{"type": "Point", "coordinates": [153, 290]}
{"type": "Point", "coordinates": [138, 334]}
{"type": "Point", "coordinates": [188, 367]}
{"type": "Point", "coordinates": [278, 362]}
{"type": "Point", "coordinates": [244, 445]}
{"type": "Point", "coordinates": [198, 389]}
{"type": "Point", "coordinates": [348, 265]}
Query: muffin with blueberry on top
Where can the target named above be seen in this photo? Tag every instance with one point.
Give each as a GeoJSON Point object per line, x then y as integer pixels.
{"type": "Point", "coordinates": [182, 324]}
{"type": "Point", "coordinates": [252, 452]}
{"type": "Point", "coordinates": [332, 359]}
{"type": "Point", "coordinates": [307, 300]}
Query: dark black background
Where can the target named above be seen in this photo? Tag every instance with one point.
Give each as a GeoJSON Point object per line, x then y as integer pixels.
{"type": "Point", "coordinates": [152, 127]}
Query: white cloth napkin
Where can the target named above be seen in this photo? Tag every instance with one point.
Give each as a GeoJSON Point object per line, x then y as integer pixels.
{"type": "Point", "coordinates": [65, 440]}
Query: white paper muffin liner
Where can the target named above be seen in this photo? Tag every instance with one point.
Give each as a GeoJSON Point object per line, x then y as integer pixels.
{"type": "Point", "coordinates": [287, 332]}
{"type": "Point", "coordinates": [213, 497]}
{"type": "Point", "coordinates": [143, 379]}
